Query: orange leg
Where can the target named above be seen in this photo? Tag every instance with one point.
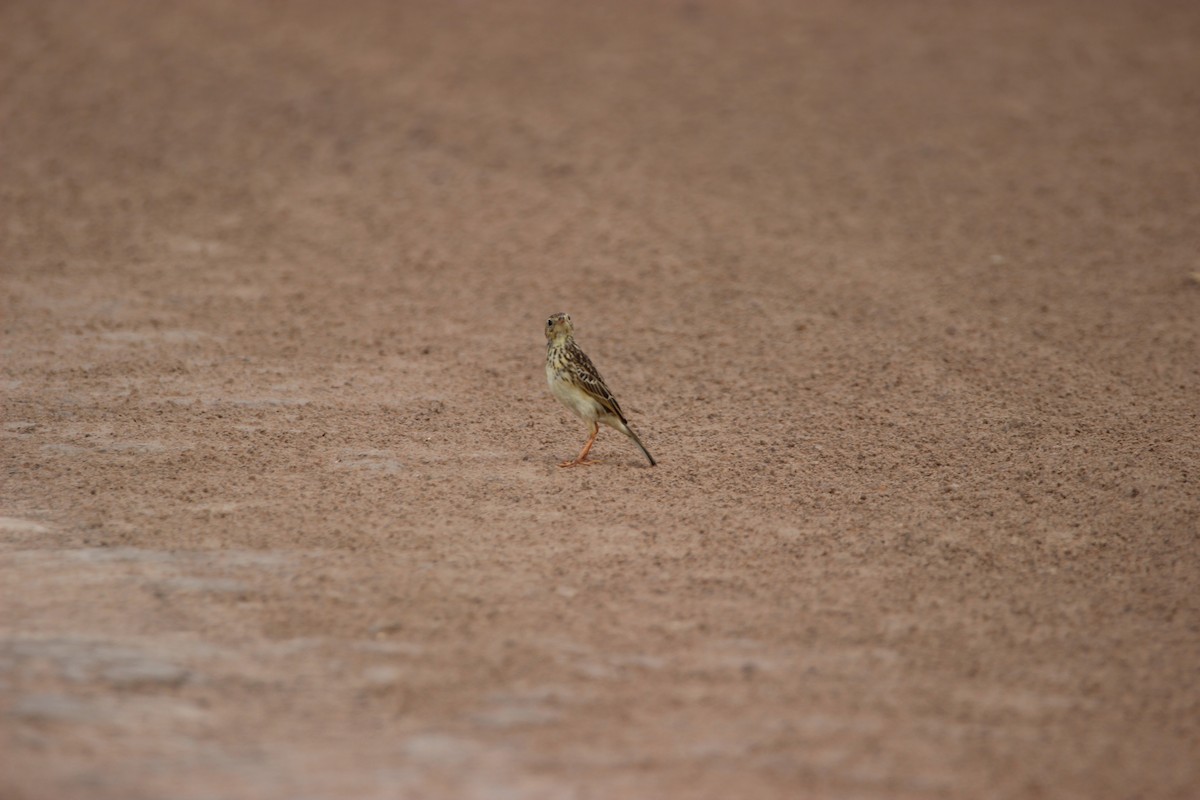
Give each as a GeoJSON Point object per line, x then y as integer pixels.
{"type": "Point", "coordinates": [587, 448]}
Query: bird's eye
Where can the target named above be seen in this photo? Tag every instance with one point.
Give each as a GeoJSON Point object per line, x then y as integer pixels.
{"type": "Point", "coordinates": [549, 322]}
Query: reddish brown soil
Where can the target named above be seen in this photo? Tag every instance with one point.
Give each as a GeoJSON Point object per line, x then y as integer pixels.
{"type": "Point", "coordinates": [902, 296]}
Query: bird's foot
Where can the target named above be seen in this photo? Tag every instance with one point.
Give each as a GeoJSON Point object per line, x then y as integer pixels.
{"type": "Point", "coordinates": [580, 462]}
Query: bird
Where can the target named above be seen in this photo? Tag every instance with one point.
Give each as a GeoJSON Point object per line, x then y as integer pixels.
{"type": "Point", "coordinates": [577, 384]}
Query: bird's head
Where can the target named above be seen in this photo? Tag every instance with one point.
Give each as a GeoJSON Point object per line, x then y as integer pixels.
{"type": "Point", "coordinates": [559, 327]}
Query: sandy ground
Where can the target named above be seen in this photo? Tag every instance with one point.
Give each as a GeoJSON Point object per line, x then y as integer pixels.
{"type": "Point", "coordinates": [902, 297]}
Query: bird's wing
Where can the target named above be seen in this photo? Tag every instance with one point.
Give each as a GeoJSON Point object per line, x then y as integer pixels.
{"type": "Point", "coordinates": [590, 380]}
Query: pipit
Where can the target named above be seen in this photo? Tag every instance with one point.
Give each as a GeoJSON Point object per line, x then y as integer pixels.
{"type": "Point", "coordinates": [578, 386]}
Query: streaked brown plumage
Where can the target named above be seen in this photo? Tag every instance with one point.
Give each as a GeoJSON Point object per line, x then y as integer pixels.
{"type": "Point", "coordinates": [577, 384]}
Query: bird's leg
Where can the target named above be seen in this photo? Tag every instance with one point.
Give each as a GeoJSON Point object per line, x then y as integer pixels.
{"type": "Point", "coordinates": [587, 448]}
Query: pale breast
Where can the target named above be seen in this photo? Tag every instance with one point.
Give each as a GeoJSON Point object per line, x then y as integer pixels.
{"type": "Point", "coordinates": [571, 395]}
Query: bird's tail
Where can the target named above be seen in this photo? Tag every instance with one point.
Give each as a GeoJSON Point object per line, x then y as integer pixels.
{"type": "Point", "coordinates": [628, 431]}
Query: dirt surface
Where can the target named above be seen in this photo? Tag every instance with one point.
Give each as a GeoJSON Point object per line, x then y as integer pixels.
{"type": "Point", "coordinates": [903, 297]}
